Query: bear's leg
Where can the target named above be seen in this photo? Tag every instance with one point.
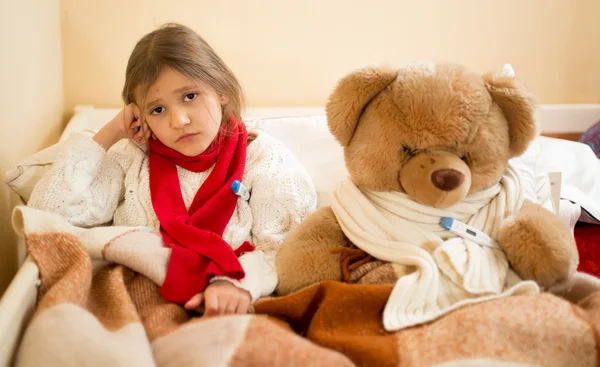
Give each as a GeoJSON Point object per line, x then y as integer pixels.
{"type": "Point", "coordinates": [305, 257]}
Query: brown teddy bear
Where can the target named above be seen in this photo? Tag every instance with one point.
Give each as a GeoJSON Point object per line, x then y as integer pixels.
{"type": "Point", "coordinates": [423, 143]}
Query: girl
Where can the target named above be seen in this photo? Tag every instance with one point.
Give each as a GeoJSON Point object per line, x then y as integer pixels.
{"type": "Point", "coordinates": [169, 159]}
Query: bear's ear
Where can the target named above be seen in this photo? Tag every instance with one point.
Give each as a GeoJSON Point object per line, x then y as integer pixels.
{"type": "Point", "coordinates": [350, 97]}
{"type": "Point", "coordinates": [517, 105]}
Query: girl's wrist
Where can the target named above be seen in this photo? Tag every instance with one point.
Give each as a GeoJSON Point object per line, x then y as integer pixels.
{"type": "Point", "coordinates": [108, 135]}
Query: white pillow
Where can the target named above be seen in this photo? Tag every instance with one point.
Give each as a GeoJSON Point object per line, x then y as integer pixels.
{"type": "Point", "coordinates": [534, 174]}
{"type": "Point", "coordinates": [308, 137]}
{"type": "Point", "coordinates": [23, 178]}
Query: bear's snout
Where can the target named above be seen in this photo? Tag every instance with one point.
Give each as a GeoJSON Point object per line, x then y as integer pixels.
{"type": "Point", "coordinates": [436, 178]}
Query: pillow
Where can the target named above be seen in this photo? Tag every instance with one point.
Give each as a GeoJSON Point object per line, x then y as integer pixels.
{"type": "Point", "coordinates": [308, 137]}
{"type": "Point", "coordinates": [310, 141]}
{"type": "Point", "coordinates": [534, 173]}
{"type": "Point", "coordinates": [24, 176]}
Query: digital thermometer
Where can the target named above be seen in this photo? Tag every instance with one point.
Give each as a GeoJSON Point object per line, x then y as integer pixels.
{"type": "Point", "coordinates": [465, 231]}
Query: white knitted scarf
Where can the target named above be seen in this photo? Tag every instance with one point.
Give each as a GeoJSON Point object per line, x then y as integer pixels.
{"type": "Point", "coordinates": [438, 272]}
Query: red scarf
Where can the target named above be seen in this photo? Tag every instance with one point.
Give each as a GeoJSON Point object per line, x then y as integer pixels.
{"type": "Point", "coordinates": [198, 251]}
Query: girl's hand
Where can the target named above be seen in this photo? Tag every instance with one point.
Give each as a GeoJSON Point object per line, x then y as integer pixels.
{"type": "Point", "coordinates": [128, 123]}
{"type": "Point", "coordinates": [125, 125]}
{"type": "Point", "coordinates": [221, 298]}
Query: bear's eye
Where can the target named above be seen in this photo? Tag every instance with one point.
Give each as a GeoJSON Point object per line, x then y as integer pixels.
{"type": "Point", "coordinates": [465, 159]}
{"type": "Point", "coordinates": [408, 150]}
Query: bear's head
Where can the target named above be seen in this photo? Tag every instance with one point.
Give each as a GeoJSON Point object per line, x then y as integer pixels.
{"type": "Point", "coordinates": [437, 132]}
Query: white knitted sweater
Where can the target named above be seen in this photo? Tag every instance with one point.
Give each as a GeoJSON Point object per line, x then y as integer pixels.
{"type": "Point", "coordinates": [89, 187]}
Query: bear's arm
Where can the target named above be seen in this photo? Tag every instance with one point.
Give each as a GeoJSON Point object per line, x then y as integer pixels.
{"type": "Point", "coordinates": [538, 245]}
{"type": "Point", "coordinates": [305, 256]}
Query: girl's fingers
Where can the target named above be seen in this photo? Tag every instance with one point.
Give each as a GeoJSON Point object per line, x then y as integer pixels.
{"type": "Point", "coordinates": [242, 307]}
{"type": "Point", "coordinates": [222, 307]}
{"type": "Point", "coordinates": [136, 111]}
{"type": "Point", "coordinates": [194, 302]}
{"type": "Point", "coordinates": [211, 304]}
{"type": "Point", "coordinates": [232, 306]}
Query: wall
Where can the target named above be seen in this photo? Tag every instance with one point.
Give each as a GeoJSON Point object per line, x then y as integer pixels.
{"type": "Point", "coordinates": [31, 98]}
{"type": "Point", "coordinates": [293, 52]}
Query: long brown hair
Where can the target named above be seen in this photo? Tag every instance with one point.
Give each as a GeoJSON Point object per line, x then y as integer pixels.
{"type": "Point", "coordinates": [182, 49]}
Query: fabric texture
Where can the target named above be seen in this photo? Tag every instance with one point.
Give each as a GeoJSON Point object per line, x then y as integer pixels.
{"type": "Point", "coordinates": [439, 272]}
{"type": "Point", "coordinates": [116, 316]}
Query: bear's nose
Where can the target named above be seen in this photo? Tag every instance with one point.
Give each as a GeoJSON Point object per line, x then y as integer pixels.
{"type": "Point", "coordinates": [447, 179]}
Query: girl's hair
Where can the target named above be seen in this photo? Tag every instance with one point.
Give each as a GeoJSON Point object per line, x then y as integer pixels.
{"type": "Point", "coordinates": [183, 50]}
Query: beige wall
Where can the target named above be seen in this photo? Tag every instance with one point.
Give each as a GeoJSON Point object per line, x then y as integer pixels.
{"type": "Point", "coordinates": [292, 52]}
{"type": "Point", "coordinates": [31, 98]}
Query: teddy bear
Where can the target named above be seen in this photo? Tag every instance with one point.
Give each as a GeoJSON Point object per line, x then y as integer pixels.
{"type": "Point", "coordinates": [431, 196]}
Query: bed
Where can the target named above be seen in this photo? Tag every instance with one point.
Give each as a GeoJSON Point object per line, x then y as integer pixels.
{"type": "Point", "coordinates": [296, 127]}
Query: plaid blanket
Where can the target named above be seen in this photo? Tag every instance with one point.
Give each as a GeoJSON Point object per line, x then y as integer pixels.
{"type": "Point", "coordinates": [99, 305]}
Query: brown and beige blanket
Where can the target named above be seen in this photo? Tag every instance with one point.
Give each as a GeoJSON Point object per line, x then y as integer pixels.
{"type": "Point", "coordinates": [99, 305]}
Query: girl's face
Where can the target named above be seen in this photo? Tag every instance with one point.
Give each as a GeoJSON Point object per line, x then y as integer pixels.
{"type": "Point", "coordinates": [183, 114]}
